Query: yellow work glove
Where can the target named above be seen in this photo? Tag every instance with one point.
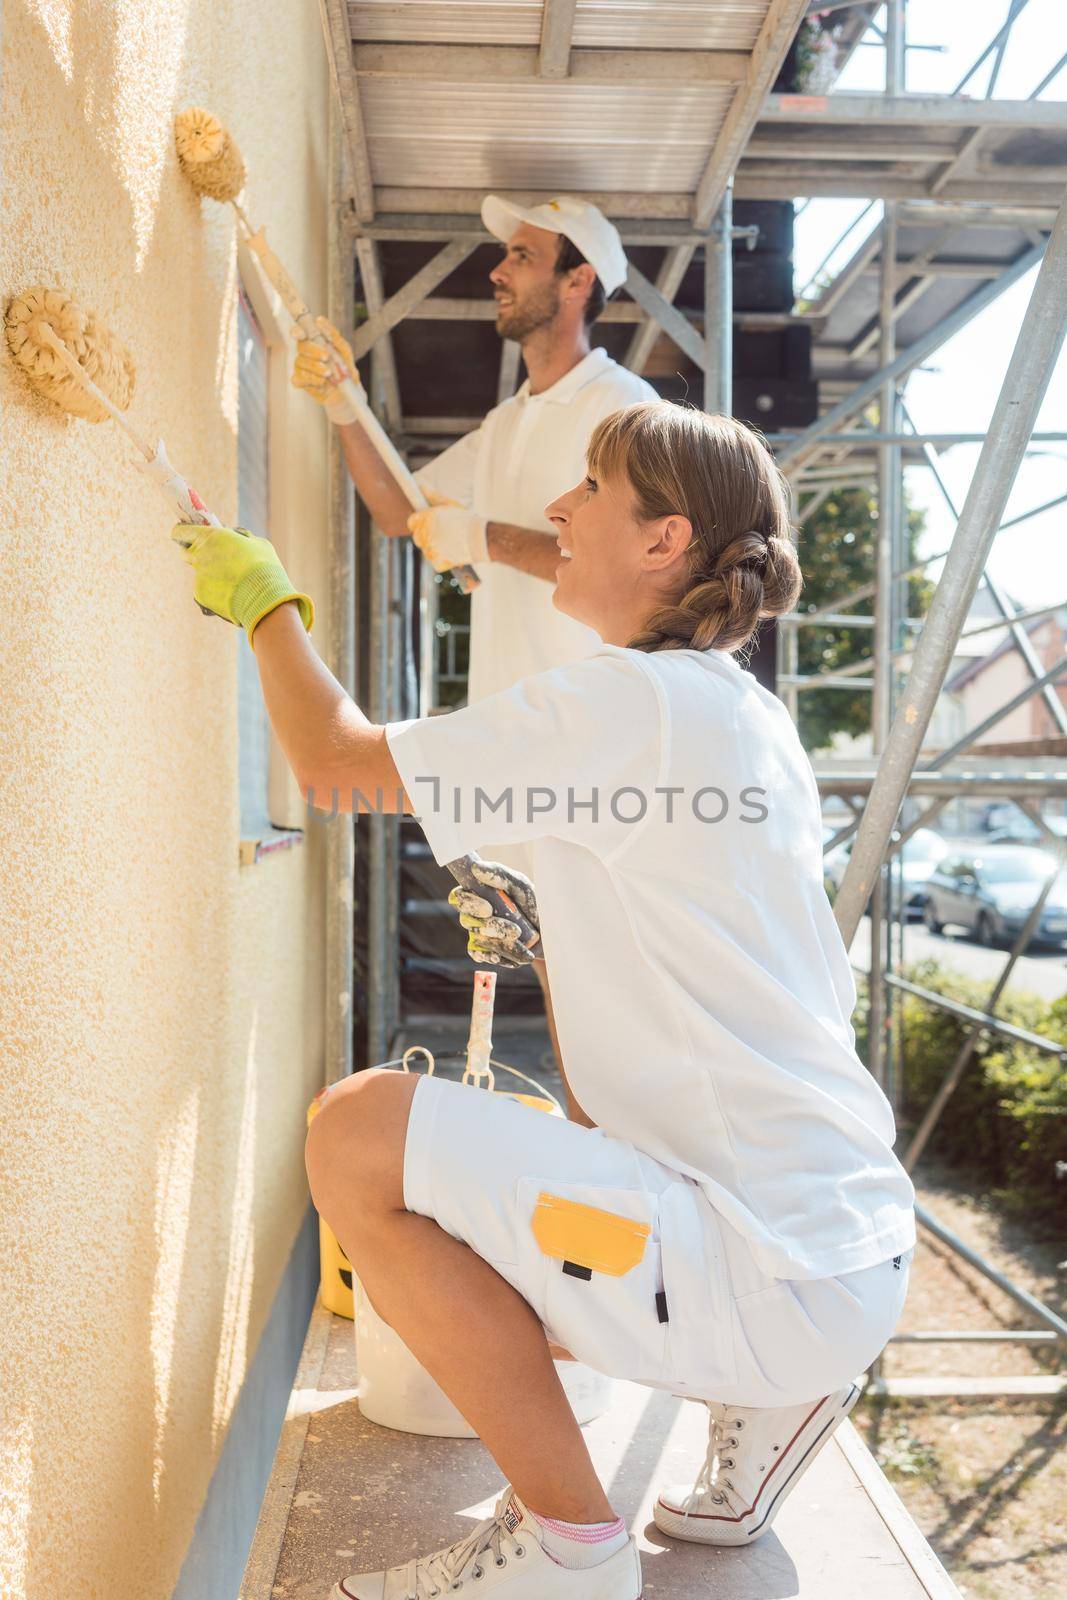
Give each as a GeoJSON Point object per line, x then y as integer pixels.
{"type": "Point", "coordinates": [449, 535]}
{"type": "Point", "coordinates": [493, 937]}
{"type": "Point", "coordinates": [320, 367]}
{"type": "Point", "coordinates": [238, 576]}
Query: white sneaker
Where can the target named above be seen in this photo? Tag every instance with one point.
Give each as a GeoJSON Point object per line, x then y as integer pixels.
{"type": "Point", "coordinates": [755, 1457]}
{"type": "Point", "coordinates": [504, 1557]}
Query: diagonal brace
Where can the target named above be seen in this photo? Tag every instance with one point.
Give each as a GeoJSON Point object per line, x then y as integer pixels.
{"type": "Point", "coordinates": [671, 320]}
{"type": "Point", "coordinates": [413, 293]}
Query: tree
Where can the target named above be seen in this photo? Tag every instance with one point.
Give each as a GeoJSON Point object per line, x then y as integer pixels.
{"type": "Point", "coordinates": [836, 550]}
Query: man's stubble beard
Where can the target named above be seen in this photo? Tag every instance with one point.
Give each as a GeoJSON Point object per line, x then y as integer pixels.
{"type": "Point", "coordinates": [537, 311]}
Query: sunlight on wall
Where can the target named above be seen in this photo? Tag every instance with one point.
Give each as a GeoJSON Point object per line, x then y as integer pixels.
{"type": "Point", "coordinates": [143, 945]}
{"type": "Point", "coordinates": [16, 1501]}
{"type": "Point", "coordinates": [174, 1188]}
{"type": "Point", "coordinates": [55, 18]}
{"type": "Point", "coordinates": [240, 1270]}
{"type": "Point", "coordinates": [145, 81]}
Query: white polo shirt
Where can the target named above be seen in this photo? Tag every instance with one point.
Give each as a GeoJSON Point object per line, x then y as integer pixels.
{"type": "Point", "coordinates": [528, 451]}
{"type": "Point", "coordinates": [702, 992]}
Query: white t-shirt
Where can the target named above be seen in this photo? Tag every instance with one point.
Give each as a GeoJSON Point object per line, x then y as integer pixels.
{"type": "Point", "coordinates": [527, 452]}
{"type": "Point", "coordinates": [701, 988]}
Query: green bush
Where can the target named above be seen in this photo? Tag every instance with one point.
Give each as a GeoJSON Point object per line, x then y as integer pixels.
{"type": "Point", "coordinates": [1006, 1123]}
{"type": "Point", "coordinates": [1031, 1089]}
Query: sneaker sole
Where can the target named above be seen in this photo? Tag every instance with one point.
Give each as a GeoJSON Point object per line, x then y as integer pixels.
{"type": "Point", "coordinates": [338, 1593]}
{"type": "Point", "coordinates": [705, 1528]}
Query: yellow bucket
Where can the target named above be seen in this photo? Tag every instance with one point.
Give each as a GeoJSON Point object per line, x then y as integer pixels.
{"type": "Point", "coordinates": [334, 1265]}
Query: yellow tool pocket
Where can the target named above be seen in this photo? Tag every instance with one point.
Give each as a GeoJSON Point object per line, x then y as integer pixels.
{"type": "Point", "coordinates": [586, 1239]}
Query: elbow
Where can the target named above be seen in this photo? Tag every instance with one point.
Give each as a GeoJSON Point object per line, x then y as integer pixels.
{"type": "Point", "coordinates": [322, 790]}
{"type": "Point", "coordinates": [351, 772]}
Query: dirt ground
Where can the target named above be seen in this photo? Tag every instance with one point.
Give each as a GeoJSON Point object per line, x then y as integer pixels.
{"type": "Point", "coordinates": [986, 1480]}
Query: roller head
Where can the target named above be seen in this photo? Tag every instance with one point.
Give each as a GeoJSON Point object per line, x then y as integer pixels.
{"type": "Point", "coordinates": [207, 155]}
{"type": "Point", "coordinates": [104, 359]}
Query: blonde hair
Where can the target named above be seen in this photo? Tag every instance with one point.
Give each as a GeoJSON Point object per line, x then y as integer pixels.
{"type": "Point", "coordinates": [741, 563]}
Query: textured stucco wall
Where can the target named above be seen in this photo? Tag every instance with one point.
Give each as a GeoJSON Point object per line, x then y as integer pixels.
{"type": "Point", "coordinates": [161, 1010]}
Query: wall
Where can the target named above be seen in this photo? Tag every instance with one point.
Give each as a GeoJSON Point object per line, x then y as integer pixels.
{"type": "Point", "coordinates": [1003, 678]}
{"type": "Point", "coordinates": [161, 1006]}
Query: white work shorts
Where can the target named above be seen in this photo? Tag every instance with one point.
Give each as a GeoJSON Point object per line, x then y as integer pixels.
{"type": "Point", "coordinates": [661, 1290]}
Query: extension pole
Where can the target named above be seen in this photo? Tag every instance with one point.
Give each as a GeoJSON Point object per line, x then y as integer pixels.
{"type": "Point", "coordinates": [387, 452]}
{"type": "Point", "coordinates": [1029, 371]}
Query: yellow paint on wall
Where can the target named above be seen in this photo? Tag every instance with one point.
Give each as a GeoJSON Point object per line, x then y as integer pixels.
{"type": "Point", "coordinates": [162, 1007]}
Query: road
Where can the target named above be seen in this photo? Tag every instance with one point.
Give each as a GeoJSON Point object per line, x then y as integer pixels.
{"type": "Point", "coordinates": [1043, 971]}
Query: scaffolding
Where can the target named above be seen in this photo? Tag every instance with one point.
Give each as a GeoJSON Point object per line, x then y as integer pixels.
{"type": "Point", "coordinates": [971, 193]}
{"type": "Point", "coordinates": [933, 175]}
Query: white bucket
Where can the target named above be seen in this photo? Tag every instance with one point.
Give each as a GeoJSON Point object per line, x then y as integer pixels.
{"type": "Point", "coordinates": [397, 1392]}
{"type": "Point", "coordinates": [394, 1389]}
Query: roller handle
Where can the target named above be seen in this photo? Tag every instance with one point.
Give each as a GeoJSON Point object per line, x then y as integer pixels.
{"type": "Point", "coordinates": [466, 577]}
{"type": "Point", "coordinates": [480, 1040]}
{"type": "Point", "coordinates": [181, 495]}
{"type": "Point", "coordinates": [503, 906]}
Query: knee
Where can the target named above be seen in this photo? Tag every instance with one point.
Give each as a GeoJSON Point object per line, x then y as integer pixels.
{"type": "Point", "coordinates": [349, 1138]}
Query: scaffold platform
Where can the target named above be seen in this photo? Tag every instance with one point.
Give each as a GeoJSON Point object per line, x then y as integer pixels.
{"type": "Point", "coordinates": [346, 1495]}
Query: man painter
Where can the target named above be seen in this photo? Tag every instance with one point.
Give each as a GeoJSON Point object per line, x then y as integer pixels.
{"type": "Point", "coordinates": [561, 262]}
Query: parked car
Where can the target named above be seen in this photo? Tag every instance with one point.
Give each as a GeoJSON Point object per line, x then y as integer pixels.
{"type": "Point", "coordinates": [1022, 829]}
{"type": "Point", "coordinates": [989, 893]}
{"type": "Point", "coordinates": [919, 856]}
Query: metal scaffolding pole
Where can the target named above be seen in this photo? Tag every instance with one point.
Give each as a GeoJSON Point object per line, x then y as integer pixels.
{"type": "Point", "coordinates": [341, 632]}
{"type": "Point", "coordinates": [378, 887]}
{"type": "Point", "coordinates": [1033, 360]}
{"type": "Point", "coordinates": [719, 309]}
{"type": "Point", "coordinates": [1036, 1307]}
{"type": "Point", "coordinates": [396, 550]}
{"type": "Point", "coordinates": [880, 1015]}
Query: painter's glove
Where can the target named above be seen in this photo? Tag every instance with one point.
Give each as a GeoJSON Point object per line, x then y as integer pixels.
{"type": "Point", "coordinates": [238, 576]}
{"type": "Point", "coordinates": [320, 367]}
{"type": "Point", "coordinates": [448, 534]}
{"type": "Point", "coordinates": [495, 938]}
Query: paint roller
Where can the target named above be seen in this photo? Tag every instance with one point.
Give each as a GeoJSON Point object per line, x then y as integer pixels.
{"type": "Point", "coordinates": [72, 359]}
{"type": "Point", "coordinates": [214, 167]}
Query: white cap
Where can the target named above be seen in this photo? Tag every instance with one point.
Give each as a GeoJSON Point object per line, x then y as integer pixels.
{"type": "Point", "coordinates": [585, 226]}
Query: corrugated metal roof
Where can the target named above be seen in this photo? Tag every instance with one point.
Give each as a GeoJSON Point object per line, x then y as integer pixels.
{"type": "Point", "coordinates": [541, 135]}
{"type": "Point", "coordinates": [607, 24]}
{"type": "Point", "coordinates": [447, 21]}
{"type": "Point", "coordinates": [678, 25]}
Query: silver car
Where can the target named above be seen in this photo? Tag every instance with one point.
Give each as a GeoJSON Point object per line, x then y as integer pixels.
{"type": "Point", "coordinates": [989, 893]}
